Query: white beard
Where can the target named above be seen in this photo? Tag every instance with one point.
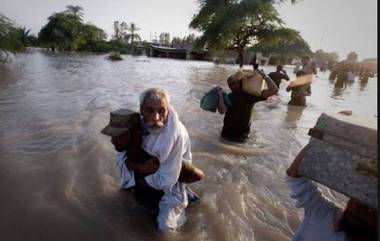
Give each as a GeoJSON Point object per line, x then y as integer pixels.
{"type": "Point", "coordinates": [154, 130]}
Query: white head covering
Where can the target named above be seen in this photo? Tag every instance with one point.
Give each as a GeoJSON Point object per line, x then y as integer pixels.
{"type": "Point", "coordinates": [161, 144]}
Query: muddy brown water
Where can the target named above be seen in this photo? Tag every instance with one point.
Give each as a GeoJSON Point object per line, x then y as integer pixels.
{"type": "Point", "coordinates": [58, 179]}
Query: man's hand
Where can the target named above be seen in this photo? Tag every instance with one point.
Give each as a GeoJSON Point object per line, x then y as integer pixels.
{"type": "Point", "coordinates": [149, 167]}
{"type": "Point", "coordinates": [293, 169]}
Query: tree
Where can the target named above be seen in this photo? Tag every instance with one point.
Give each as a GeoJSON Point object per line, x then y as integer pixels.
{"type": "Point", "coordinates": [187, 42]}
{"type": "Point", "coordinates": [75, 10]}
{"type": "Point", "coordinates": [65, 31]}
{"type": "Point", "coordinates": [10, 35]}
{"type": "Point", "coordinates": [165, 39]}
{"type": "Point", "coordinates": [92, 36]}
{"type": "Point", "coordinates": [25, 36]}
{"type": "Point", "coordinates": [120, 30]}
{"type": "Point", "coordinates": [176, 41]}
{"type": "Point", "coordinates": [285, 48]}
{"type": "Point", "coordinates": [132, 36]}
{"type": "Point", "coordinates": [235, 25]}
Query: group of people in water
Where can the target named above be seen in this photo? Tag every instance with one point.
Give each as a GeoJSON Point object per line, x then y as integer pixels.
{"type": "Point", "coordinates": [238, 114]}
{"type": "Point", "coordinates": [346, 72]}
{"type": "Point", "coordinates": [154, 160]}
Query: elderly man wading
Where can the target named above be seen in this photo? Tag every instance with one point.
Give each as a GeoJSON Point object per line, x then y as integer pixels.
{"type": "Point", "coordinates": [168, 140]}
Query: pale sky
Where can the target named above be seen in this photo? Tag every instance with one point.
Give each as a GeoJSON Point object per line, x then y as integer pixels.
{"type": "Point", "coordinates": [333, 25]}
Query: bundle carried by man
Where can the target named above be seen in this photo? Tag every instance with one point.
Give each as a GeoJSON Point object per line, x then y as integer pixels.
{"type": "Point", "coordinates": [342, 155]}
{"type": "Point", "coordinates": [252, 81]}
{"type": "Point", "coordinates": [210, 100]}
{"type": "Point", "coordinates": [302, 79]}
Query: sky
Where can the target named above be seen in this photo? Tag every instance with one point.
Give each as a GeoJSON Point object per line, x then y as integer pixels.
{"type": "Point", "coordinates": [332, 25]}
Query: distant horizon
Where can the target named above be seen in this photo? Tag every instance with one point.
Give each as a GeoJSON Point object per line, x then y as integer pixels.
{"type": "Point", "coordinates": [326, 25]}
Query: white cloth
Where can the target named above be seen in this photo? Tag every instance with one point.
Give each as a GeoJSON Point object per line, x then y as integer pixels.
{"type": "Point", "coordinates": [171, 146]}
{"type": "Point", "coordinates": [172, 205]}
{"type": "Point", "coordinates": [320, 216]}
{"type": "Point", "coordinates": [127, 178]}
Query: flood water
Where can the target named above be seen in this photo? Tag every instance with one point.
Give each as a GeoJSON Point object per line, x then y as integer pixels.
{"type": "Point", "coordinates": [57, 171]}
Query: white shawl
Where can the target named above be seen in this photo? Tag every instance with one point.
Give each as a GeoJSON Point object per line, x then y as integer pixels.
{"type": "Point", "coordinates": [171, 146]}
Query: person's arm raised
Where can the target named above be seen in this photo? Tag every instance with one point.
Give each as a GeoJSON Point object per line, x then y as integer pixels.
{"type": "Point", "coordinates": [272, 87]}
{"type": "Point", "coordinates": [286, 77]}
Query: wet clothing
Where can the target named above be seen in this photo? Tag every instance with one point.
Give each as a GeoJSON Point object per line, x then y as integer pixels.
{"type": "Point", "coordinates": [321, 216]}
{"type": "Point", "coordinates": [309, 69]}
{"type": "Point", "coordinates": [333, 75]}
{"type": "Point", "coordinates": [146, 196]}
{"type": "Point", "coordinates": [299, 93]}
{"type": "Point", "coordinates": [127, 177]}
{"type": "Point", "coordinates": [277, 76]}
{"type": "Point", "coordinates": [298, 96]}
{"type": "Point", "coordinates": [172, 147]}
{"type": "Point", "coordinates": [238, 118]}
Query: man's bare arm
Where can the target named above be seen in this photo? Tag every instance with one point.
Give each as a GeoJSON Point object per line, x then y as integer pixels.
{"type": "Point", "coordinates": [222, 108]}
{"type": "Point", "coordinates": [272, 87]}
{"type": "Point", "coordinates": [149, 167]}
{"type": "Point", "coordinates": [293, 169]}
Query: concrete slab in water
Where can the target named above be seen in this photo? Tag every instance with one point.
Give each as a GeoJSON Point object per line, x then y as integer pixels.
{"type": "Point", "coordinates": [342, 155]}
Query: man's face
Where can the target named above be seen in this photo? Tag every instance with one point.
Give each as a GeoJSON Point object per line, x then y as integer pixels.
{"type": "Point", "coordinates": [155, 113]}
{"type": "Point", "coordinates": [233, 84]}
{"type": "Point", "coordinates": [122, 141]}
{"type": "Point", "coordinates": [305, 61]}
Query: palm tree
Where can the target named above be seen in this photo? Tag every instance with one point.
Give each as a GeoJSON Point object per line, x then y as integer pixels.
{"type": "Point", "coordinates": [133, 35]}
{"type": "Point", "coordinates": [119, 30]}
{"type": "Point", "coordinates": [24, 34]}
{"type": "Point", "coordinates": [75, 10]}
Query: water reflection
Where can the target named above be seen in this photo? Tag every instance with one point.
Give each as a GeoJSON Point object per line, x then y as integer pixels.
{"type": "Point", "coordinates": [337, 92]}
{"type": "Point", "coordinates": [293, 115]}
{"type": "Point", "coordinates": [363, 84]}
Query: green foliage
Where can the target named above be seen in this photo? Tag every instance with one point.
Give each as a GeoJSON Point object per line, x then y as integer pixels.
{"type": "Point", "coordinates": [75, 10]}
{"type": "Point", "coordinates": [233, 24]}
{"type": "Point", "coordinates": [120, 30]}
{"type": "Point", "coordinates": [132, 36]}
{"type": "Point", "coordinates": [94, 38]}
{"type": "Point", "coordinates": [187, 42]}
{"type": "Point", "coordinates": [63, 31]}
{"type": "Point", "coordinates": [66, 31]}
{"type": "Point", "coordinates": [11, 38]}
{"type": "Point", "coordinates": [294, 46]}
